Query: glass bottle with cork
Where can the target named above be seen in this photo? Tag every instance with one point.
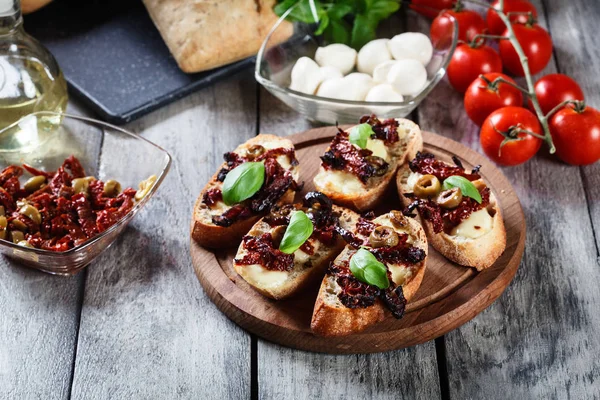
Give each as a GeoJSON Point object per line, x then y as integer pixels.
{"type": "Point", "coordinates": [30, 78]}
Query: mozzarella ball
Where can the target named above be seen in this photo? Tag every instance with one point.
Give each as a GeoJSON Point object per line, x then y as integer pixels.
{"type": "Point", "coordinates": [306, 76]}
{"type": "Point", "coordinates": [356, 86]}
{"type": "Point", "coordinates": [372, 54]}
{"type": "Point", "coordinates": [384, 92]}
{"type": "Point", "coordinates": [408, 77]}
{"type": "Point", "coordinates": [411, 45]}
{"type": "Point", "coordinates": [330, 72]}
{"type": "Point", "coordinates": [336, 55]}
{"type": "Point", "coordinates": [381, 71]}
{"type": "Point", "coordinates": [332, 88]}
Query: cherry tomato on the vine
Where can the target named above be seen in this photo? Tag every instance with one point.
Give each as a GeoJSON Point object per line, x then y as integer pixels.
{"type": "Point", "coordinates": [431, 8]}
{"type": "Point", "coordinates": [553, 89]}
{"type": "Point", "coordinates": [494, 23]}
{"type": "Point", "coordinates": [507, 121]}
{"type": "Point", "coordinates": [536, 44]}
{"type": "Point", "coordinates": [470, 24]}
{"type": "Point", "coordinates": [482, 98]}
{"type": "Point", "coordinates": [575, 130]}
{"type": "Point", "coordinates": [468, 63]}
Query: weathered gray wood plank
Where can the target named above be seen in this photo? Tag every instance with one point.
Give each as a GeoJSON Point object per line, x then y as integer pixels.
{"type": "Point", "coordinates": [286, 373]}
{"type": "Point", "coordinates": [577, 53]}
{"type": "Point", "coordinates": [38, 328]}
{"type": "Point", "coordinates": [538, 340]}
{"type": "Point", "coordinates": [147, 328]}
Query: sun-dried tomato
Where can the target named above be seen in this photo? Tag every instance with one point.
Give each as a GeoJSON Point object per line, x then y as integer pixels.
{"type": "Point", "coordinates": [394, 299]}
{"type": "Point", "coordinates": [364, 226]}
{"type": "Point", "coordinates": [343, 155]}
{"type": "Point", "coordinates": [212, 197]}
{"type": "Point", "coordinates": [67, 219]}
{"type": "Point", "coordinates": [386, 130]}
{"type": "Point", "coordinates": [426, 164]}
{"type": "Point", "coordinates": [261, 251]}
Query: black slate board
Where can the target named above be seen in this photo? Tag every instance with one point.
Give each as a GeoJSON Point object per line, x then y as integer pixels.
{"type": "Point", "coordinates": [114, 58]}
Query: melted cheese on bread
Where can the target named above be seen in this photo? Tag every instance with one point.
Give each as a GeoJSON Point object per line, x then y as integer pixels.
{"type": "Point", "coordinates": [338, 181]}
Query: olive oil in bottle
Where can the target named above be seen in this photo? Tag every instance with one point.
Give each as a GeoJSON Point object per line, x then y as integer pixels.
{"type": "Point", "coordinates": [30, 78]}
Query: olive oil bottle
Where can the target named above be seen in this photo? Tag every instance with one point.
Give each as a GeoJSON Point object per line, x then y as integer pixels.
{"type": "Point", "coordinates": [30, 78]}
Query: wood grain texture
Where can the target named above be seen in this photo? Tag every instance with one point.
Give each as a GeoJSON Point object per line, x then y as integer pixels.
{"type": "Point", "coordinates": [38, 326]}
{"type": "Point", "coordinates": [276, 376]}
{"type": "Point", "coordinates": [537, 340]}
{"type": "Point", "coordinates": [147, 328]}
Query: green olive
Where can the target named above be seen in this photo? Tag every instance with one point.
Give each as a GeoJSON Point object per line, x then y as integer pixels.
{"type": "Point", "coordinates": [19, 225]}
{"type": "Point", "coordinates": [17, 236]}
{"type": "Point", "coordinates": [81, 185]}
{"type": "Point", "coordinates": [112, 188]}
{"type": "Point", "coordinates": [450, 198]}
{"type": "Point", "coordinates": [380, 165]}
{"type": "Point", "coordinates": [398, 219]}
{"type": "Point", "coordinates": [24, 243]}
{"type": "Point", "coordinates": [479, 184]}
{"type": "Point", "coordinates": [2, 211]}
{"type": "Point", "coordinates": [3, 234]}
{"type": "Point", "coordinates": [3, 222]}
{"type": "Point", "coordinates": [144, 187]}
{"type": "Point", "coordinates": [31, 212]}
{"type": "Point", "coordinates": [277, 235]}
{"type": "Point", "coordinates": [383, 236]}
{"type": "Point", "coordinates": [254, 151]}
{"type": "Point", "coordinates": [427, 186]}
{"type": "Point", "coordinates": [34, 183]}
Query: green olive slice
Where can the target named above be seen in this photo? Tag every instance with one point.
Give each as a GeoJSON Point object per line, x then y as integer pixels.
{"type": "Point", "coordinates": [450, 198]}
{"type": "Point", "coordinates": [383, 236]}
{"type": "Point", "coordinates": [427, 186]}
{"type": "Point", "coordinates": [34, 183]}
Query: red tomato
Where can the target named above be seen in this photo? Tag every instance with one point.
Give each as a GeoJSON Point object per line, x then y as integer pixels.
{"type": "Point", "coordinates": [553, 89]}
{"type": "Point", "coordinates": [507, 120]}
{"type": "Point", "coordinates": [494, 23]}
{"type": "Point", "coordinates": [576, 134]}
{"type": "Point", "coordinates": [536, 44]}
{"type": "Point", "coordinates": [481, 99]}
{"type": "Point", "coordinates": [431, 8]}
{"type": "Point", "coordinates": [468, 63]}
{"type": "Point", "coordinates": [469, 24]}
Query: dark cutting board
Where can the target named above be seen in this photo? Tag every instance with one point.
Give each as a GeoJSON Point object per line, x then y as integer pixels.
{"type": "Point", "coordinates": [114, 58]}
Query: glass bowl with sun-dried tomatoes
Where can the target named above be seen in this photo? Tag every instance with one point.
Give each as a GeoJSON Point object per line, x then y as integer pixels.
{"type": "Point", "coordinates": [69, 185]}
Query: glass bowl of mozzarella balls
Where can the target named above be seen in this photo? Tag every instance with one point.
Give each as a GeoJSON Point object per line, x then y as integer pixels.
{"type": "Point", "coordinates": [334, 83]}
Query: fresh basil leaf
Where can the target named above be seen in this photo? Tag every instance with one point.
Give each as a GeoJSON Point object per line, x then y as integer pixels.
{"type": "Point", "coordinates": [363, 31]}
{"type": "Point", "coordinates": [323, 23]}
{"type": "Point", "coordinates": [243, 182]}
{"type": "Point", "coordinates": [466, 187]}
{"type": "Point", "coordinates": [366, 268]}
{"type": "Point", "coordinates": [337, 32]}
{"type": "Point", "coordinates": [283, 6]}
{"type": "Point", "coordinates": [339, 11]}
{"type": "Point", "coordinates": [297, 232]}
{"type": "Point", "coordinates": [360, 134]}
{"type": "Point", "coordinates": [382, 9]}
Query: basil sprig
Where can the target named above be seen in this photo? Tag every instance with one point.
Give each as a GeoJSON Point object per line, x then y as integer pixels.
{"type": "Point", "coordinates": [360, 134]}
{"type": "Point", "coordinates": [366, 268]}
{"type": "Point", "coordinates": [243, 182]}
{"type": "Point", "coordinates": [297, 232]}
{"type": "Point", "coordinates": [466, 187]}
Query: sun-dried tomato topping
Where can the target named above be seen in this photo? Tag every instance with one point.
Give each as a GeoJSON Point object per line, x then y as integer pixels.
{"type": "Point", "coordinates": [277, 181]}
{"type": "Point", "coordinates": [261, 251]}
{"type": "Point", "coordinates": [393, 298]}
{"type": "Point", "coordinates": [426, 164]}
{"type": "Point", "coordinates": [364, 226]}
{"type": "Point", "coordinates": [308, 248]}
{"type": "Point", "coordinates": [343, 155]}
{"type": "Point", "coordinates": [67, 219]}
{"type": "Point", "coordinates": [386, 130]}
{"type": "Point", "coordinates": [402, 253]}
{"type": "Point", "coordinates": [354, 294]}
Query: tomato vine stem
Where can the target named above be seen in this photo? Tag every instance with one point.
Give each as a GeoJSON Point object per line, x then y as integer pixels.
{"type": "Point", "coordinates": [525, 64]}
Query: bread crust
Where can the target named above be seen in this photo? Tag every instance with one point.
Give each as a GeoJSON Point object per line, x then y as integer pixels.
{"type": "Point", "coordinates": [373, 194]}
{"type": "Point", "coordinates": [335, 319]}
{"type": "Point", "coordinates": [210, 235]}
{"type": "Point", "coordinates": [479, 253]}
{"type": "Point", "coordinates": [300, 276]}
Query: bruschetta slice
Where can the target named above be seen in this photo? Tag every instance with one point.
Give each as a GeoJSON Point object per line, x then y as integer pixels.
{"type": "Point", "coordinates": [346, 304]}
{"type": "Point", "coordinates": [218, 225]}
{"type": "Point", "coordinates": [279, 273]}
{"type": "Point", "coordinates": [467, 230]}
{"type": "Point", "coordinates": [356, 173]}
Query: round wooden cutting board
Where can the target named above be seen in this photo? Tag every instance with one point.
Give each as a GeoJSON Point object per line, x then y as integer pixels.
{"type": "Point", "coordinates": [449, 296]}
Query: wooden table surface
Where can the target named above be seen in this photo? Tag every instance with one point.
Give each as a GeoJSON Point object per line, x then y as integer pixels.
{"type": "Point", "coordinates": [137, 324]}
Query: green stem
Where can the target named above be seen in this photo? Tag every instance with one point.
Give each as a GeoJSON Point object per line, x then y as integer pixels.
{"type": "Point", "coordinates": [559, 106]}
{"type": "Point", "coordinates": [502, 80]}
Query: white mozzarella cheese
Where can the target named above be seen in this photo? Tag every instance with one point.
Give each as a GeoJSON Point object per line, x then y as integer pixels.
{"type": "Point", "coordinates": [257, 275]}
{"type": "Point", "coordinates": [339, 181]}
{"type": "Point", "coordinates": [476, 225]}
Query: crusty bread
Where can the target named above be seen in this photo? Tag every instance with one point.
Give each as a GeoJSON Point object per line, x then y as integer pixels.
{"type": "Point", "coordinates": [332, 318]}
{"type": "Point", "coordinates": [480, 252]}
{"type": "Point", "coordinates": [204, 231]}
{"type": "Point", "coordinates": [306, 270]}
{"type": "Point", "coordinates": [205, 34]}
{"type": "Point", "coordinates": [29, 6]}
{"type": "Point", "coordinates": [366, 197]}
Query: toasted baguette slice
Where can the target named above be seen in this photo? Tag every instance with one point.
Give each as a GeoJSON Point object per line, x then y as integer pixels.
{"type": "Point", "coordinates": [480, 250]}
{"type": "Point", "coordinates": [204, 231]}
{"type": "Point", "coordinates": [332, 318]}
{"type": "Point", "coordinates": [346, 189]}
{"type": "Point", "coordinates": [306, 269]}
